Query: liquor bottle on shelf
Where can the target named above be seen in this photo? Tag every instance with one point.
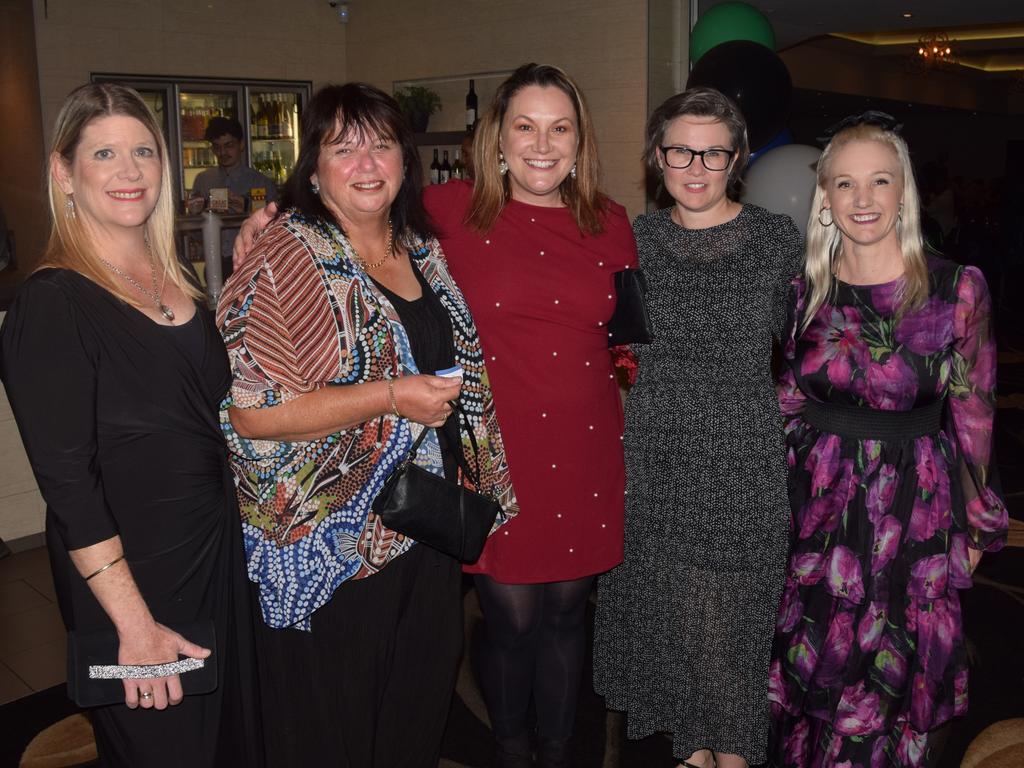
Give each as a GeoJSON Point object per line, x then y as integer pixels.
{"type": "Point", "coordinates": [288, 110]}
{"type": "Point", "coordinates": [458, 169]}
{"type": "Point", "coordinates": [445, 172]}
{"type": "Point", "coordinates": [435, 170]}
{"type": "Point", "coordinates": [276, 116]}
{"type": "Point", "coordinates": [262, 119]}
{"type": "Point", "coordinates": [471, 107]}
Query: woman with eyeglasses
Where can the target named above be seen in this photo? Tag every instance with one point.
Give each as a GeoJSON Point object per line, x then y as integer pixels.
{"type": "Point", "coordinates": [684, 625]}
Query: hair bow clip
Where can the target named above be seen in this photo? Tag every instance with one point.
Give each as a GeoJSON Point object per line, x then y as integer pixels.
{"type": "Point", "coordinates": [883, 120]}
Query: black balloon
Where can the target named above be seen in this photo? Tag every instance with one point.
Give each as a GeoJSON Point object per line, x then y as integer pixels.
{"type": "Point", "coordinates": [755, 78]}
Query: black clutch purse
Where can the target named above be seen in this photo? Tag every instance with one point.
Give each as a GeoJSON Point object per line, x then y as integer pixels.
{"type": "Point", "coordinates": [94, 676]}
{"type": "Point", "coordinates": [630, 323]}
{"type": "Point", "coordinates": [437, 512]}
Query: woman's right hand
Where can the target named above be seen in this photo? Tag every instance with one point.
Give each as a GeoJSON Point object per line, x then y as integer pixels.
{"type": "Point", "coordinates": [424, 399]}
{"type": "Point", "coordinates": [154, 643]}
{"type": "Point", "coordinates": [251, 227]}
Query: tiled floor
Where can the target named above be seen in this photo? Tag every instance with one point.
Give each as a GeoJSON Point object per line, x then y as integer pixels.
{"type": "Point", "coordinates": [32, 641]}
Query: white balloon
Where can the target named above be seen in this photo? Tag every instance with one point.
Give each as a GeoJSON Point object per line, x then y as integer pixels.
{"type": "Point", "coordinates": [782, 181]}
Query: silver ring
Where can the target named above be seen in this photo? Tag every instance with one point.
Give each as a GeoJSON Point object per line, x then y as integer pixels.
{"type": "Point", "coordinates": [146, 695]}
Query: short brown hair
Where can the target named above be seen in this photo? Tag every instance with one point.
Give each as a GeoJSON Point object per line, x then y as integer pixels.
{"type": "Point", "coordinates": [491, 191]}
{"type": "Point", "coordinates": [699, 102]}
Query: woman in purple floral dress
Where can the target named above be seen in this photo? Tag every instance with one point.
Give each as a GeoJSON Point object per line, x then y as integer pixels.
{"type": "Point", "coordinates": [888, 400]}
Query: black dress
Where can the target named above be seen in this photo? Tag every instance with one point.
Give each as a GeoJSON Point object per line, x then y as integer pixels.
{"type": "Point", "coordinates": [119, 419]}
{"type": "Point", "coordinates": [684, 626]}
{"type": "Point", "coordinates": [370, 685]}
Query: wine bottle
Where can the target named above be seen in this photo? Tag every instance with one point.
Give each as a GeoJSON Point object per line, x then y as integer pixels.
{"type": "Point", "coordinates": [262, 119]}
{"type": "Point", "coordinates": [279, 114]}
{"type": "Point", "coordinates": [471, 107]}
{"type": "Point", "coordinates": [289, 111]}
{"type": "Point", "coordinates": [445, 173]}
{"type": "Point", "coordinates": [435, 170]}
{"type": "Point", "coordinates": [458, 172]}
{"type": "Point", "coordinates": [253, 119]}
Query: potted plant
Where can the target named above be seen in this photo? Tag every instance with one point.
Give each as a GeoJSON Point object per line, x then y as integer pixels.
{"type": "Point", "coordinates": [418, 103]}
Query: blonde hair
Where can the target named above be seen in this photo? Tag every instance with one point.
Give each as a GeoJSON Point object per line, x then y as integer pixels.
{"type": "Point", "coordinates": [69, 246]}
{"type": "Point", "coordinates": [582, 195]}
{"type": "Point", "coordinates": [825, 244]}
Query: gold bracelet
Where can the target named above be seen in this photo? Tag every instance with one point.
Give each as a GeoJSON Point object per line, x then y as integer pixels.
{"type": "Point", "coordinates": [113, 562]}
{"type": "Point", "coordinates": [391, 397]}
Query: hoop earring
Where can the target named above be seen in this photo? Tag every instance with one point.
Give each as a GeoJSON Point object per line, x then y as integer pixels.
{"type": "Point", "coordinates": [69, 209]}
{"type": "Point", "coordinates": [502, 165]}
{"type": "Point", "coordinates": [821, 221]}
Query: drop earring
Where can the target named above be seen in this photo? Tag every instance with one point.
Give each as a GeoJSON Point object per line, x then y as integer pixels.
{"type": "Point", "coordinates": [69, 209]}
{"type": "Point", "coordinates": [315, 187]}
{"type": "Point", "coordinates": [572, 172]}
{"type": "Point", "coordinates": [502, 165]}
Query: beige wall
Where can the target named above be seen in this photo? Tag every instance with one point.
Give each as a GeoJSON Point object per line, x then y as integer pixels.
{"type": "Point", "coordinates": [212, 38]}
{"type": "Point", "coordinates": [21, 143]}
{"type": "Point", "coordinates": [601, 43]}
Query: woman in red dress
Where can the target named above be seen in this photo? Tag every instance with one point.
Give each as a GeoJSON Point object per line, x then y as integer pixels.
{"type": "Point", "coordinates": [533, 245]}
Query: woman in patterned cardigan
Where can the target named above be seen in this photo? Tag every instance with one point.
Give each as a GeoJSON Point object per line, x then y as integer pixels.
{"type": "Point", "coordinates": [334, 326]}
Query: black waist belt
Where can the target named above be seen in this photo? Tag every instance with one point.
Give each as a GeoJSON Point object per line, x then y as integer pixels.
{"type": "Point", "coordinates": [872, 423]}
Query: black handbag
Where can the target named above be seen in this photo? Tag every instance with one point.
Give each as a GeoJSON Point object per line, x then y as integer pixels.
{"type": "Point", "coordinates": [630, 323]}
{"type": "Point", "coordinates": [437, 512]}
{"type": "Point", "coordinates": [90, 652]}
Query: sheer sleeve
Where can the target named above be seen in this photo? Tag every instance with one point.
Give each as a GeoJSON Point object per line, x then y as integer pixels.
{"type": "Point", "coordinates": [972, 408]}
{"type": "Point", "coordinates": [50, 377]}
{"type": "Point", "coordinates": [791, 397]}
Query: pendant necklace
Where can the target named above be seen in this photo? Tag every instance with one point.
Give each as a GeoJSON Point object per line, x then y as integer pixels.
{"type": "Point", "coordinates": [155, 294]}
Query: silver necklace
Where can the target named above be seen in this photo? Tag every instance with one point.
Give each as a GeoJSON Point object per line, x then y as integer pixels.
{"type": "Point", "coordinates": [155, 294]}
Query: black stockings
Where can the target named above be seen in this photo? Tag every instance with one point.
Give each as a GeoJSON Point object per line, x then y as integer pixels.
{"type": "Point", "coordinates": [534, 644]}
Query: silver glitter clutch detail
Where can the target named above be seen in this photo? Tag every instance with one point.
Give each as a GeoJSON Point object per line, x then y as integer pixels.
{"type": "Point", "coordinates": [143, 671]}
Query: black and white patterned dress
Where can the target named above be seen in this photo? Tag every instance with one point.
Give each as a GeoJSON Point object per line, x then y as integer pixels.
{"type": "Point", "coordinates": [684, 625]}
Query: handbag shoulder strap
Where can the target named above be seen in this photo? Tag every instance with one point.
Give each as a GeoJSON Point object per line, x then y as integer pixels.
{"type": "Point", "coordinates": [460, 459]}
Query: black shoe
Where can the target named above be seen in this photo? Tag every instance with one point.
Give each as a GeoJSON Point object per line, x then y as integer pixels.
{"type": "Point", "coordinates": [552, 753]}
{"type": "Point", "coordinates": [513, 753]}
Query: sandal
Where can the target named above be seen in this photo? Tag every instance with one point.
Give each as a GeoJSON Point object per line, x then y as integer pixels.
{"type": "Point", "coordinates": [714, 761]}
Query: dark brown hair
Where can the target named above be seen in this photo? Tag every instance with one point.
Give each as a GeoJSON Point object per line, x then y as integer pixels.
{"type": "Point", "coordinates": [334, 113]}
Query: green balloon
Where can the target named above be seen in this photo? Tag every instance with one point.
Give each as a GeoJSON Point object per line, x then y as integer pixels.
{"type": "Point", "coordinates": [726, 22]}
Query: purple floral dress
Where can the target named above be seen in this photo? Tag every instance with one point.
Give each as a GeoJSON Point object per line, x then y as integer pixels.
{"type": "Point", "coordinates": [869, 654]}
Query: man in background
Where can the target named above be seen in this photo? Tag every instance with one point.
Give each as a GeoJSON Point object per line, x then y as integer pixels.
{"type": "Point", "coordinates": [228, 143]}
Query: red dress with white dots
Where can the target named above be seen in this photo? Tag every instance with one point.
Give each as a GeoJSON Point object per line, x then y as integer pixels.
{"type": "Point", "coordinates": [541, 294]}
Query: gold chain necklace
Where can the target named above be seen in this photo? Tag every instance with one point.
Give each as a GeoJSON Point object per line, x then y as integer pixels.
{"type": "Point", "coordinates": [156, 294]}
{"type": "Point", "coordinates": [387, 255]}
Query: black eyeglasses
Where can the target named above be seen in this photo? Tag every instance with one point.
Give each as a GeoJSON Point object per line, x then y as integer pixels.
{"type": "Point", "coordinates": [713, 159]}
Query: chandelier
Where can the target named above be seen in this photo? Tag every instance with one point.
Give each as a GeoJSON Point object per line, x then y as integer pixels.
{"type": "Point", "coordinates": [936, 48]}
